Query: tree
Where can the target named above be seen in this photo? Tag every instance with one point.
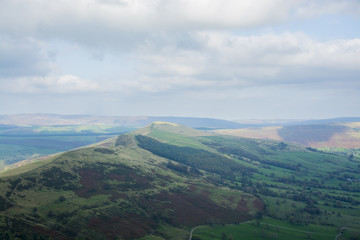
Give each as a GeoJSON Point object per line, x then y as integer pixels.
{"type": "Point", "coordinates": [195, 238]}
{"type": "Point", "coordinates": [62, 198]}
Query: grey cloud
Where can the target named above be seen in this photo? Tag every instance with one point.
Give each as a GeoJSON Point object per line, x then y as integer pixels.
{"type": "Point", "coordinates": [23, 57]}
{"type": "Point", "coordinates": [320, 77]}
{"type": "Point", "coordinates": [211, 60]}
{"type": "Point", "coordinates": [49, 84]}
{"type": "Point", "coordinates": [110, 22]}
{"type": "Point", "coordinates": [229, 61]}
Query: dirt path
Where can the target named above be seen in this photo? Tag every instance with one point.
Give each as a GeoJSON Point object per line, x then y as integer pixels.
{"type": "Point", "coordinates": [340, 233]}
{"type": "Point", "coordinates": [192, 230]}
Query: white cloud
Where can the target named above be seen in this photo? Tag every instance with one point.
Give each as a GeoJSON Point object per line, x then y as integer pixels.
{"type": "Point", "coordinates": [218, 60]}
{"type": "Point", "coordinates": [225, 60]}
{"type": "Point", "coordinates": [104, 23]}
{"type": "Point", "coordinates": [138, 15]}
{"type": "Point", "coordinates": [289, 49]}
{"type": "Point", "coordinates": [132, 48]}
{"type": "Point", "coordinates": [61, 84]}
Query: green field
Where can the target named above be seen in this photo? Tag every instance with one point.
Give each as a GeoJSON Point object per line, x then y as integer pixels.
{"type": "Point", "coordinates": [265, 229]}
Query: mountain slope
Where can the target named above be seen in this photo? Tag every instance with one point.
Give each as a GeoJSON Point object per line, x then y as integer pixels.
{"type": "Point", "coordinates": [160, 181]}
{"type": "Point", "coordinates": [25, 136]}
{"type": "Point", "coordinates": [120, 190]}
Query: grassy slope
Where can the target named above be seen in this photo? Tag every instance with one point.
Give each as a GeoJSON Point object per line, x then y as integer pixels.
{"type": "Point", "coordinates": [308, 190]}
{"type": "Point", "coordinates": [327, 182]}
{"type": "Point", "coordinates": [93, 191]}
{"type": "Point", "coordinates": [267, 229]}
{"type": "Point", "coordinates": [257, 133]}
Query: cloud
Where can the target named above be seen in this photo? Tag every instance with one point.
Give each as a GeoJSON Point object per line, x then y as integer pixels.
{"type": "Point", "coordinates": [110, 23]}
{"type": "Point", "coordinates": [286, 49]}
{"type": "Point", "coordinates": [139, 15]}
{"type": "Point", "coordinates": [236, 51]}
{"type": "Point", "coordinates": [309, 9]}
{"type": "Point", "coordinates": [217, 60]}
{"type": "Point", "coordinates": [49, 84]}
{"type": "Point", "coordinates": [225, 60]}
{"type": "Point", "coordinates": [23, 57]}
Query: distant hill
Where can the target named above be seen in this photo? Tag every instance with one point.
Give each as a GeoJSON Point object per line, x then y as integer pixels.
{"type": "Point", "coordinates": [160, 181]}
{"type": "Point", "coordinates": [126, 121]}
{"type": "Point", "coordinates": [326, 121]}
{"type": "Point", "coordinates": [24, 136]}
{"type": "Point", "coordinates": [286, 122]}
{"type": "Point", "coordinates": [327, 135]}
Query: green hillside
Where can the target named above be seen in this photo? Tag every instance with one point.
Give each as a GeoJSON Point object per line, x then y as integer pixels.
{"type": "Point", "coordinates": [28, 136]}
{"type": "Point", "coordinates": [161, 181]}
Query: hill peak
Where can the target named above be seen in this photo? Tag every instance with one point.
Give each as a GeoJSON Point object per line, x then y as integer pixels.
{"type": "Point", "coordinates": [159, 127]}
{"type": "Point", "coordinates": [164, 123]}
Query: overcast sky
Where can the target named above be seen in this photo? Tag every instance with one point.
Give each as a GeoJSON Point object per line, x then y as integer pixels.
{"type": "Point", "coordinates": [229, 59]}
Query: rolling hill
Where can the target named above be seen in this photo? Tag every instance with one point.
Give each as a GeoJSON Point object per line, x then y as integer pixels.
{"type": "Point", "coordinates": [161, 181]}
{"type": "Point", "coordinates": [27, 136]}
{"type": "Point", "coordinates": [24, 136]}
{"type": "Point", "coordinates": [344, 135]}
{"type": "Point", "coordinates": [24, 120]}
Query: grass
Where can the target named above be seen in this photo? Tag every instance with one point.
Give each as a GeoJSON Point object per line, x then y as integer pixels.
{"type": "Point", "coordinates": [320, 182]}
{"type": "Point", "coordinates": [266, 229]}
{"type": "Point", "coordinates": [49, 209]}
{"type": "Point", "coordinates": [171, 232]}
{"type": "Point", "coordinates": [178, 140]}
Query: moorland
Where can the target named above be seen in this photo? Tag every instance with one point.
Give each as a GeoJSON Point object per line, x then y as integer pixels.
{"type": "Point", "coordinates": [164, 180]}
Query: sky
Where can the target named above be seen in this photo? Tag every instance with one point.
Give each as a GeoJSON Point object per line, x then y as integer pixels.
{"type": "Point", "coordinates": [228, 59]}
